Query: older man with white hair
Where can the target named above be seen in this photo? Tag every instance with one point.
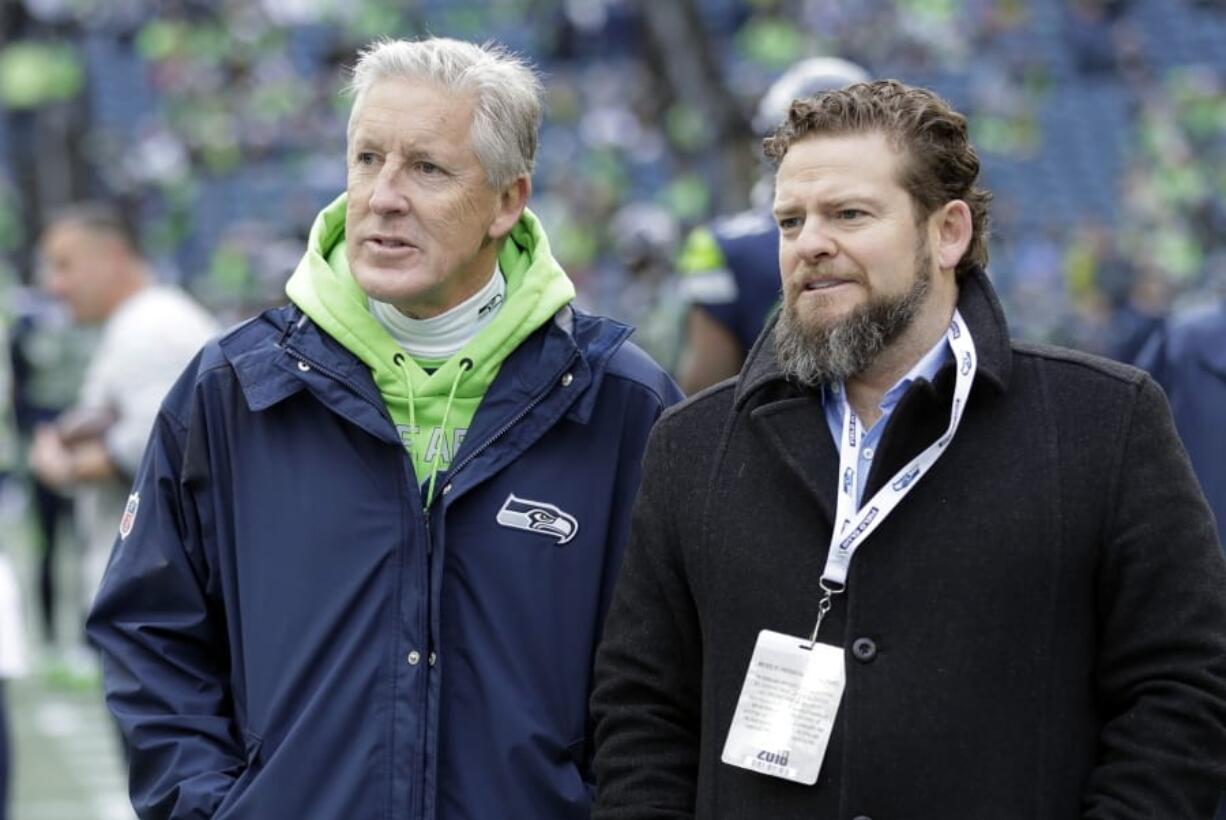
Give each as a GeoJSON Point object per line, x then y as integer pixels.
{"type": "Point", "coordinates": [368, 555]}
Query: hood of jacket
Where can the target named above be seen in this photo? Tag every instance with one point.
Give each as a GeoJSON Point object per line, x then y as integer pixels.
{"type": "Point", "coordinates": [429, 408]}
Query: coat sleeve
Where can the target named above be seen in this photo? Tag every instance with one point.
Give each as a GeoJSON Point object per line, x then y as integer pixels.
{"type": "Point", "coordinates": [646, 699]}
{"type": "Point", "coordinates": [164, 657]}
{"type": "Point", "coordinates": [1161, 665]}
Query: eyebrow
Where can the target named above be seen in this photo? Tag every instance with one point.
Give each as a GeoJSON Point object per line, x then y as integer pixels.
{"type": "Point", "coordinates": [414, 151]}
{"type": "Point", "coordinates": [856, 198]}
{"type": "Point", "coordinates": [841, 200]}
{"type": "Point", "coordinates": [783, 208]}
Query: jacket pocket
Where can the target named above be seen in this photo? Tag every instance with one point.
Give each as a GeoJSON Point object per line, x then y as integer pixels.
{"type": "Point", "coordinates": [577, 750]}
{"type": "Point", "coordinates": [253, 745]}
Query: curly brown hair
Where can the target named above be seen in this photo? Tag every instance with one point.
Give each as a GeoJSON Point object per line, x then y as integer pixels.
{"type": "Point", "coordinates": [939, 164]}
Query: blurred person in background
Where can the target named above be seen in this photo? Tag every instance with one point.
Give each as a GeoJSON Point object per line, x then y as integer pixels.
{"type": "Point", "coordinates": [92, 262]}
{"type": "Point", "coordinates": [1140, 313]}
{"type": "Point", "coordinates": [12, 634]}
{"type": "Point", "coordinates": [12, 660]}
{"type": "Point", "coordinates": [730, 268]}
{"type": "Point", "coordinates": [370, 548]}
{"type": "Point", "coordinates": [1187, 356]}
{"type": "Point", "coordinates": [49, 355]}
{"type": "Point", "coordinates": [1019, 612]}
{"type": "Point", "coordinates": [645, 237]}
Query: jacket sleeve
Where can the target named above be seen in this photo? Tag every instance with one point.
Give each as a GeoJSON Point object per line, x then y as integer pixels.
{"type": "Point", "coordinates": [164, 656]}
{"type": "Point", "coordinates": [1161, 665]}
{"type": "Point", "coordinates": [646, 697]}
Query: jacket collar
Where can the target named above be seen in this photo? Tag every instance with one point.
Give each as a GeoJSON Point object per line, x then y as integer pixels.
{"type": "Point", "coordinates": [979, 306]}
{"type": "Point", "coordinates": [267, 355]}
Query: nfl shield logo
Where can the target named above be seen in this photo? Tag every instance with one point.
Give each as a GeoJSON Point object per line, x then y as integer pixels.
{"type": "Point", "coordinates": [129, 515]}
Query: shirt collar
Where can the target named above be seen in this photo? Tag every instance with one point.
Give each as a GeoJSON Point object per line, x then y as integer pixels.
{"type": "Point", "coordinates": [440, 337]}
{"type": "Point", "coordinates": [927, 368]}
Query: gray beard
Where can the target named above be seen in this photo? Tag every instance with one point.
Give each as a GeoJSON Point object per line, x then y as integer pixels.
{"type": "Point", "coordinates": [814, 356]}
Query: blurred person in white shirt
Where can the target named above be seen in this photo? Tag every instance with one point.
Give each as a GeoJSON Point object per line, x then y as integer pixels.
{"type": "Point", "coordinates": [91, 260]}
{"type": "Point", "coordinates": [12, 636]}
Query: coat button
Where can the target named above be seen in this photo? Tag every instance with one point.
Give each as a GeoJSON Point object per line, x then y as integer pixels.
{"type": "Point", "coordinates": [303, 366]}
{"type": "Point", "coordinates": [413, 658]}
{"type": "Point", "coordinates": [864, 649]}
{"type": "Point", "coordinates": [432, 659]}
{"type": "Point", "coordinates": [447, 488]}
{"type": "Point", "coordinates": [567, 379]}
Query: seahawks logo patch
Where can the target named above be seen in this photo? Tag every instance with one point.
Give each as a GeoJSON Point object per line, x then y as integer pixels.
{"type": "Point", "coordinates": [538, 517]}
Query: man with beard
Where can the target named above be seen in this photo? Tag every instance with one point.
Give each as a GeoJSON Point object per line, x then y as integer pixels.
{"type": "Point", "coordinates": [729, 270]}
{"type": "Point", "coordinates": [903, 567]}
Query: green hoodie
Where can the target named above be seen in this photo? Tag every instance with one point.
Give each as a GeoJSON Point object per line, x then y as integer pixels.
{"type": "Point", "coordinates": [433, 411]}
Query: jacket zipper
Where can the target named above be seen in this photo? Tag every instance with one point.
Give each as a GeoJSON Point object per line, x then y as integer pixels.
{"type": "Point", "coordinates": [485, 445]}
{"type": "Point", "coordinates": [294, 354]}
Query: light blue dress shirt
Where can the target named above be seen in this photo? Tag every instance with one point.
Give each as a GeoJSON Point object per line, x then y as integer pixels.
{"type": "Point", "coordinates": [832, 401]}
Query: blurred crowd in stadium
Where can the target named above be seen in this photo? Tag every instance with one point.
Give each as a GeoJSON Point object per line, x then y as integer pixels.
{"type": "Point", "coordinates": [220, 125]}
{"type": "Point", "coordinates": [1102, 125]}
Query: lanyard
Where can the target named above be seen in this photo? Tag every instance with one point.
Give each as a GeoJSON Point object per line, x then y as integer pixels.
{"type": "Point", "coordinates": [857, 525]}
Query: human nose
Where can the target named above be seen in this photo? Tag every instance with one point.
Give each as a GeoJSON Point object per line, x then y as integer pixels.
{"type": "Point", "coordinates": [815, 241]}
{"type": "Point", "coordinates": [388, 197]}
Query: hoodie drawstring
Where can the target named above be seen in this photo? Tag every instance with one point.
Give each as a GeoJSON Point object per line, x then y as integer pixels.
{"type": "Point", "coordinates": [466, 364]}
{"type": "Point", "coordinates": [400, 360]}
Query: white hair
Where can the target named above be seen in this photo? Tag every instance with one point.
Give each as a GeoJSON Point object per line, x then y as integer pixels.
{"type": "Point", "coordinates": [507, 115]}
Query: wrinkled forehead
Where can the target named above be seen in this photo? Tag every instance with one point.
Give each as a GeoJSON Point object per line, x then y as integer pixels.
{"type": "Point", "coordinates": [410, 98]}
{"type": "Point", "coordinates": [840, 164]}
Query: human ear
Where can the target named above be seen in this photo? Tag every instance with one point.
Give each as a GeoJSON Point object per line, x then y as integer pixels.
{"type": "Point", "coordinates": [511, 203]}
{"type": "Point", "coordinates": [953, 227]}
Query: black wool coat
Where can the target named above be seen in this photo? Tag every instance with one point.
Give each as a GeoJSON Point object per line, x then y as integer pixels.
{"type": "Point", "coordinates": [1037, 632]}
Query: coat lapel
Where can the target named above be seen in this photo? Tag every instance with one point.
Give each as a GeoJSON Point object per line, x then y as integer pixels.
{"type": "Point", "coordinates": [791, 420]}
{"type": "Point", "coordinates": [796, 430]}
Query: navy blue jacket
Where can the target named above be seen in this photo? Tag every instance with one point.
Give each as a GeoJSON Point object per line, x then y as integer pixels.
{"type": "Point", "coordinates": [286, 634]}
{"type": "Point", "coordinates": [1187, 356]}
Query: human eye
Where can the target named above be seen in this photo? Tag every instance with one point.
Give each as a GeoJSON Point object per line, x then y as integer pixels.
{"type": "Point", "coordinates": [788, 223]}
{"type": "Point", "coordinates": [365, 158]}
{"type": "Point", "coordinates": [850, 214]}
{"type": "Point", "coordinates": [428, 168]}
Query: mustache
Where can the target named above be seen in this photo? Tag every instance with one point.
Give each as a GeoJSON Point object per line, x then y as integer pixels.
{"type": "Point", "coordinates": [813, 273]}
